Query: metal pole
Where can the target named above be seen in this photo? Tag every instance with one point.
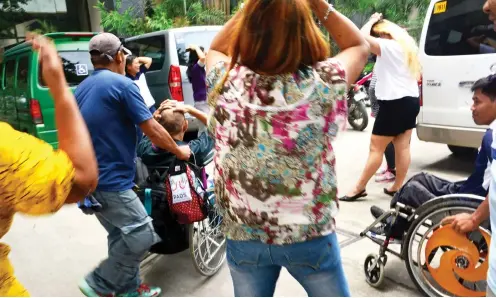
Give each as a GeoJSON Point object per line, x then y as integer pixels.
{"type": "Point", "coordinates": [185, 8]}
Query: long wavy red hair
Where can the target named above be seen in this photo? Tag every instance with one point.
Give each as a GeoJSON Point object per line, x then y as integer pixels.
{"type": "Point", "coordinates": [277, 36]}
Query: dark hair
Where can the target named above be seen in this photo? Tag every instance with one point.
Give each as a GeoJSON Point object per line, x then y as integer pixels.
{"type": "Point", "coordinates": [130, 59]}
{"type": "Point", "coordinates": [487, 86]}
{"type": "Point", "coordinates": [193, 59]}
{"type": "Point", "coordinates": [99, 60]}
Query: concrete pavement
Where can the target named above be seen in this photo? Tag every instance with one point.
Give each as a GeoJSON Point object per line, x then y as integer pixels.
{"type": "Point", "coordinates": [51, 254]}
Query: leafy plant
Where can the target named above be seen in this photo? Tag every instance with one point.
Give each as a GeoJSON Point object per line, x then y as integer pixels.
{"type": "Point", "coordinates": [164, 15]}
{"type": "Point", "coordinates": [45, 27]}
{"type": "Point", "coordinates": [10, 12]}
{"type": "Point", "coordinates": [200, 16]}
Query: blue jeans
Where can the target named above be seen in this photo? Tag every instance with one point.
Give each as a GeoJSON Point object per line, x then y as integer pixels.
{"type": "Point", "coordinates": [130, 236]}
{"type": "Point", "coordinates": [315, 264]}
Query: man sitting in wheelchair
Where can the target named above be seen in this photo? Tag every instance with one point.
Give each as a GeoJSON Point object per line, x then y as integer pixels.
{"type": "Point", "coordinates": [424, 186]}
{"type": "Point", "coordinates": [171, 116]}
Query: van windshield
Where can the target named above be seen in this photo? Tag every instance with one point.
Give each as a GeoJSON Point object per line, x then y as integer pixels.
{"type": "Point", "coordinates": [185, 39]}
{"type": "Point", "coordinates": [77, 67]}
{"type": "Point", "coordinates": [459, 27]}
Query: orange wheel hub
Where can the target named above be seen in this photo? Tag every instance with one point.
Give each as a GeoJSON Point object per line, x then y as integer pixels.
{"type": "Point", "coordinates": [461, 261]}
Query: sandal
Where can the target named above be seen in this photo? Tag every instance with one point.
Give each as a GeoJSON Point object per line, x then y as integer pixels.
{"type": "Point", "coordinates": [359, 195]}
{"type": "Point", "coordinates": [389, 193]}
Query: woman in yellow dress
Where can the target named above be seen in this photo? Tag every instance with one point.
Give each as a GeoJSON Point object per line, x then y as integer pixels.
{"type": "Point", "coordinates": [34, 178]}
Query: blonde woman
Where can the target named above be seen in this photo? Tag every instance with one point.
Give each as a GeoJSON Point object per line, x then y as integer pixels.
{"type": "Point", "coordinates": [398, 71]}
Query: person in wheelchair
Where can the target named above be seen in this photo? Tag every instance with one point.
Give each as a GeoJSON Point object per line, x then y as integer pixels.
{"type": "Point", "coordinates": [424, 186]}
{"type": "Point", "coordinates": [171, 116]}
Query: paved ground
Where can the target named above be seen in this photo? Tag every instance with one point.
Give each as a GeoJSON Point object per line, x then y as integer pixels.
{"type": "Point", "coordinates": [51, 254]}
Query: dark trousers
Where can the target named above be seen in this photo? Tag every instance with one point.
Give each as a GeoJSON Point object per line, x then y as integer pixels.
{"type": "Point", "coordinates": [418, 190]}
{"type": "Point", "coordinates": [389, 154]}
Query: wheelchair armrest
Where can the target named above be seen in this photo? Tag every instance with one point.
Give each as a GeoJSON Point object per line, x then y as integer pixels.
{"type": "Point", "coordinates": [209, 158]}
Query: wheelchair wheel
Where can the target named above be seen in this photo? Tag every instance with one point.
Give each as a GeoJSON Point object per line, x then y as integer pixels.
{"type": "Point", "coordinates": [374, 270]}
{"type": "Point", "coordinates": [442, 262]}
{"type": "Point", "coordinates": [207, 244]}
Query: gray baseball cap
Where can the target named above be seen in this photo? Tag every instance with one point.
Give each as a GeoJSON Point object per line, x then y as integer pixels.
{"type": "Point", "coordinates": [107, 44]}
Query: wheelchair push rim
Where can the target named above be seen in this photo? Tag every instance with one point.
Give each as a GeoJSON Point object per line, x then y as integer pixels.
{"type": "Point", "coordinates": [207, 244]}
{"type": "Point", "coordinates": [441, 263]}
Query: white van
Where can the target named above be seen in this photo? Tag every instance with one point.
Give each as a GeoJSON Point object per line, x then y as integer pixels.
{"type": "Point", "coordinates": [457, 47]}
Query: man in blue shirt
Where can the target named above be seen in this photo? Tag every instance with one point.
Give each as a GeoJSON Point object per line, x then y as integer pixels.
{"type": "Point", "coordinates": [424, 187]}
{"type": "Point", "coordinates": [485, 99]}
{"type": "Point", "coordinates": [112, 107]}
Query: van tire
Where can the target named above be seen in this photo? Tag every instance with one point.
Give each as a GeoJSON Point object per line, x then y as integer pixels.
{"type": "Point", "coordinates": [462, 151]}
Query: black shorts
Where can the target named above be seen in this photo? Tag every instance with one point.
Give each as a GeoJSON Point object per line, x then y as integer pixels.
{"type": "Point", "coordinates": [396, 116]}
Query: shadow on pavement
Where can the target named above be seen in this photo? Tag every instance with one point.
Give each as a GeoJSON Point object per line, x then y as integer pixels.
{"type": "Point", "coordinates": [453, 165]}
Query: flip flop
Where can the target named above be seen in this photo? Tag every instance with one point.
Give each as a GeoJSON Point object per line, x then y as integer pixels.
{"type": "Point", "coordinates": [359, 195]}
{"type": "Point", "coordinates": [390, 193]}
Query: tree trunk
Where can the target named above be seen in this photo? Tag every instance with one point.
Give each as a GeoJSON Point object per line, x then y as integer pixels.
{"type": "Point", "coordinates": [224, 5]}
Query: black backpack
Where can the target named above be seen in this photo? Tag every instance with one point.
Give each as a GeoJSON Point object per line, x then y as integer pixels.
{"type": "Point", "coordinates": [152, 193]}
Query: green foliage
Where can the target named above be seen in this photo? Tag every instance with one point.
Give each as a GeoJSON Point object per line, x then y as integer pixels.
{"type": "Point", "coordinates": [168, 14]}
{"type": "Point", "coordinates": [407, 13]}
{"type": "Point", "coordinates": [10, 13]}
{"type": "Point", "coordinates": [45, 27]}
{"type": "Point", "coordinates": [200, 16]}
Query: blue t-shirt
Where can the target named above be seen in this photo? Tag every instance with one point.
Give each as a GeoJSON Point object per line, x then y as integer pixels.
{"type": "Point", "coordinates": [476, 184]}
{"type": "Point", "coordinates": [112, 107]}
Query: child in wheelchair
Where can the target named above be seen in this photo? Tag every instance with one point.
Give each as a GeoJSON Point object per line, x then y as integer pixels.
{"type": "Point", "coordinates": [172, 117]}
{"type": "Point", "coordinates": [153, 168]}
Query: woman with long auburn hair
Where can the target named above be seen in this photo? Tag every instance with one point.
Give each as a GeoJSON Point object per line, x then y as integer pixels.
{"type": "Point", "coordinates": [277, 100]}
{"type": "Point", "coordinates": [398, 71]}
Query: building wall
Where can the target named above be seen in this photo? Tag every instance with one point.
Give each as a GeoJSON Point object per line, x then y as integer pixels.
{"type": "Point", "coordinates": [45, 6]}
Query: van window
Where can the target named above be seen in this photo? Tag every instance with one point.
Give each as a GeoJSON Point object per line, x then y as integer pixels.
{"type": "Point", "coordinates": [199, 38]}
{"type": "Point", "coordinates": [459, 28]}
{"type": "Point", "coordinates": [9, 74]}
{"type": "Point", "coordinates": [77, 67]}
{"type": "Point", "coordinates": [152, 47]}
{"type": "Point", "coordinates": [22, 72]}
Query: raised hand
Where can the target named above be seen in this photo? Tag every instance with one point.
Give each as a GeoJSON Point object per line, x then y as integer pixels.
{"type": "Point", "coordinates": [51, 64]}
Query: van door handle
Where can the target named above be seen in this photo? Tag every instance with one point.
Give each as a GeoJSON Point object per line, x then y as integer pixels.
{"type": "Point", "coordinates": [466, 84]}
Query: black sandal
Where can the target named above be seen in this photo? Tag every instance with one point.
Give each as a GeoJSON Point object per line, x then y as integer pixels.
{"type": "Point", "coordinates": [390, 193]}
{"type": "Point", "coordinates": [359, 195]}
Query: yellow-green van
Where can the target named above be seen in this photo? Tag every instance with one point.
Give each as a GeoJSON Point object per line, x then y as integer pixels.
{"type": "Point", "coordinates": [25, 102]}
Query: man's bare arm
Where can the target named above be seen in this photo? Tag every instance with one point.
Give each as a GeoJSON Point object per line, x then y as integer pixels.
{"type": "Point", "coordinates": [160, 137]}
{"type": "Point", "coordinates": [145, 61]}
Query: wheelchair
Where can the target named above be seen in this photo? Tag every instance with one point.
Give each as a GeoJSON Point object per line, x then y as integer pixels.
{"type": "Point", "coordinates": [439, 261]}
{"type": "Point", "coordinates": [204, 239]}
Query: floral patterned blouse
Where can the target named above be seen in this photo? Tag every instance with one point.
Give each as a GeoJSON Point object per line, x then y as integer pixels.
{"type": "Point", "coordinates": [274, 173]}
{"type": "Point", "coordinates": [34, 180]}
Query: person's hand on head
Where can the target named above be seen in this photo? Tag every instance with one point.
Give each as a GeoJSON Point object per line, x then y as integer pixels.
{"type": "Point", "coordinates": [376, 17]}
{"type": "Point", "coordinates": [191, 47]}
{"type": "Point", "coordinates": [184, 152]}
{"type": "Point", "coordinates": [461, 223]}
{"type": "Point", "coordinates": [51, 64]}
{"type": "Point", "coordinates": [182, 108]}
